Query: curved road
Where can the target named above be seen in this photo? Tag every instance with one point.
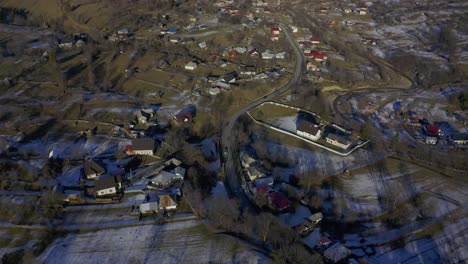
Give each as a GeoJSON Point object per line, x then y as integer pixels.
{"type": "Point", "coordinates": [231, 176]}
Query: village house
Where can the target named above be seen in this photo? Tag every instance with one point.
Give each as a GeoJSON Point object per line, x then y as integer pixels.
{"type": "Point", "coordinates": [324, 241]}
{"type": "Point", "coordinates": [460, 138]}
{"type": "Point", "coordinates": [232, 53]}
{"type": "Point", "coordinates": [184, 117]}
{"type": "Point", "coordinates": [338, 141]}
{"type": "Point", "coordinates": [248, 70]}
{"type": "Point", "coordinates": [253, 173]}
{"type": "Point", "coordinates": [317, 55]}
{"type": "Point", "coordinates": [143, 116]}
{"type": "Point", "coordinates": [336, 253]}
{"type": "Point", "coordinates": [315, 218]}
{"type": "Point", "coordinates": [312, 67]}
{"type": "Point", "coordinates": [91, 169]}
{"type": "Point", "coordinates": [281, 55]}
{"type": "Point", "coordinates": [229, 77]}
{"type": "Point", "coordinates": [253, 52]}
{"type": "Point", "coordinates": [278, 201]}
{"type": "Point", "coordinates": [315, 40]}
{"type": "Point", "coordinates": [166, 203]}
{"type": "Point", "coordinates": [430, 140]}
{"type": "Point", "coordinates": [246, 160]}
{"type": "Point", "coordinates": [141, 146]}
{"type": "Point", "coordinates": [202, 45]}
{"type": "Point", "coordinates": [191, 66]}
{"type": "Point", "coordinates": [432, 130]}
{"type": "Point", "coordinates": [263, 182]}
{"type": "Point", "coordinates": [222, 85]}
{"type": "Point", "coordinates": [165, 179]}
{"type": "Point", "coordinates": [308, 130]}
{"type": "Point", "coordinates": [240, 50]}
{"type": "Point", "coordinates": [149, 208]}
{"type": "Point", "coordinates": [275, 30]}
{"type": "Point", "coordinates": [109, 186]}
{"type": "Point", "coordinates": [268, 55]}
{"type": "Point", "coordinates": [309, 223]}
{"type": "Point", "coordinates": [171, 31]}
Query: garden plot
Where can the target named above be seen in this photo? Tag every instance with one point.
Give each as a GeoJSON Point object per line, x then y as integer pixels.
{"type": "Point", "coordinates": [180, 242]}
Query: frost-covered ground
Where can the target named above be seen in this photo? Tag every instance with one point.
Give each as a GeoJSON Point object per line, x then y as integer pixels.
{"type": "Point", "coordinates": [179, 242]}
{"type": "Point", "coordinates": [320, 161]}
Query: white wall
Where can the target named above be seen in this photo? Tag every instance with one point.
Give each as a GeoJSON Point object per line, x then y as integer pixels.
{"type": "Point", "coordinates": [106, 191]}
{"type": "Point", "coordinates": [143, 152]}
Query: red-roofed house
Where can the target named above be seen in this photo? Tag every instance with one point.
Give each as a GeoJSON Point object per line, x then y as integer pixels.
{"type": "Point", "coordinates": [433, 131]}
{"type": "Point", "coordinates": [129, 150]}
{"type": "Point", "coordinates": [312, 67]}
{"type": "Point", "coordinates": [184, 117]}
{"type": "Point", "coordinates": [315, 40]}
{"type": "Point", "coordinates": [275, 30]}
{"type": "Point", "coordinates": [278, 201]}
{"type": "Point", "coordinates": [317, 55]}
{"type": "Point", "coordinates": [233, 53]}
{"type": "Point", "coordinates": [324, 241]}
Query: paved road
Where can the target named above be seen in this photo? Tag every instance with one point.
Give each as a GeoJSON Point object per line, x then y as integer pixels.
{"type": "Point", "coordinates": [231, 177]}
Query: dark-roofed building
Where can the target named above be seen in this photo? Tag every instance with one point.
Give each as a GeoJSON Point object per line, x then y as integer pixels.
{"type": "Point", "coordinates": [92, 170]}
{"type": "Point", "coordinates": [338, 141]}
{"type": "Point", "coordinates": [108, 186]}
{"type": "Point", "coordinates": [308, 130]}
{"type": "Point", "coordinates": [460, 138]}
{"type": "Point", "coordinates": [184, 117]}
{"type": "Point", "coordinates": [143, 146]}
{"type": "Point", "coordinates": [278, 201]}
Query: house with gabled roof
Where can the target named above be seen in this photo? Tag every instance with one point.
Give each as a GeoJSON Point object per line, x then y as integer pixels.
{"type": "Point", "coordinates": [338, 141]}
{"type": "Point", "coordinates": [92, 170]}
{"type": "Point", "coordinates": [108, 186]}
{"type": "Point", "coordinates": [308, 130]}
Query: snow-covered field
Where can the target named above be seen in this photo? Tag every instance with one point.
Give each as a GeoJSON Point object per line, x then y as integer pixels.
{"type": "Point", "coordinates": [179, 242]}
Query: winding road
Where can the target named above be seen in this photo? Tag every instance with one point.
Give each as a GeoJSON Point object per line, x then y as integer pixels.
{"type": "Point", "coordinates": [232, 178]}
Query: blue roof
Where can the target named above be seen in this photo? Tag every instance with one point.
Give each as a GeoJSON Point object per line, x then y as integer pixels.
{"type": "Point", "coordinates": [172, 30]}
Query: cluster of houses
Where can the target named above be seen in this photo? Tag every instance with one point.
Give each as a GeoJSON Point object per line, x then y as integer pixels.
{"type": "Point", "coordinates": [432, 133]}
{"type": "Point", "coordinates": [122, 34]}
{"type": "Point", "coordinates": [162, 185]}
{"type": "Point", "coordinates": [308, 126]}
{"type": "Point", "coordinates": [333, 252]}
{"type": "Point", "coordinates": [77, 40]}
{"type": "Point", "coordinates": [259, 183]}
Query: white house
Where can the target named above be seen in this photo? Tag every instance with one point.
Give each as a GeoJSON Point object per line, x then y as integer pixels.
{"type": "Point", "coordinates": [254, 173]}
{"type": "Point", "coordinates": [431, 140]}
{"type": "Point", "coordinates": [149, 208]}
{"type": "Point", "coordinates": [308, 130]}
{"type": "Point", "coordinates": [338, 141]}
{"type": "Point", "coordinates": [202, 45]}
{"type": "Point", "coordinates": [268, 55]}
{"type": "Point", "coordinates": [191, 66]}
{"type": "Point", "coordinates": [108, 186]}
{"type": "Point", "coordinates": [281, 55]}
{"type": "Point", "coordinates": [248, 70]}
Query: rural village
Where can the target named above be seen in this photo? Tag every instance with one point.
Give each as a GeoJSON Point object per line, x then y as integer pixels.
{"type": "Point", "coordinates": [222, 112]}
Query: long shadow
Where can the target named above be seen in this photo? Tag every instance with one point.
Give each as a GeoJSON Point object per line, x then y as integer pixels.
{"type": "Point", "coordinates": [40, 131]}
{"type": "Point", "coordinates": [69, 57]}
{"type": "Point", "coordinates": [75, 70]}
